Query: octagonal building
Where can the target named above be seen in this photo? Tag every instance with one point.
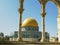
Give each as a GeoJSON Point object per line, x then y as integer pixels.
{"type": "Point", "coordinates": [30, 31]}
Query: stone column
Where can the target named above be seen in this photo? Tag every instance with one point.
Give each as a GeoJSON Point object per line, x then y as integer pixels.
{"type": "Point", "coordinates": [43, 23]}
{"type": "Point", "coordinates": [58, 24]}
{"type": "Point", "coordinates": [20, 10]}
{"type": "Point", "coordinates": [42, 2]}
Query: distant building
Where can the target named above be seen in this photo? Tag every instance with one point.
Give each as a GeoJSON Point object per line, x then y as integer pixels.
{"type": "Point", "coordinates": [53, 39]}
{"type": "Point", "coordinates": [1, 36]}
{"type": "Point", "coordinates": [30, 31]}
{"type": "Point", "coordinates": [6, 38]}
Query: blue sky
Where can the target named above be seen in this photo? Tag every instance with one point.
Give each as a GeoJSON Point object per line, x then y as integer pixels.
{"type": "Point", "coordinates": [9, 15]}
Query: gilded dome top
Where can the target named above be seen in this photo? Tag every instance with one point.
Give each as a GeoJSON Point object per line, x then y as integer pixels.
{"type": "Point", "coordinates": [30, 22]}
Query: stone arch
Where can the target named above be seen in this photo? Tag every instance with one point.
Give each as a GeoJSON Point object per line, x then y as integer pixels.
{"type": "Point", "coordinates": [43, 5]}
{"type": "Point", "coordinates": [57, 5]}
{"type": "Point", "coordinates": [55, 2]}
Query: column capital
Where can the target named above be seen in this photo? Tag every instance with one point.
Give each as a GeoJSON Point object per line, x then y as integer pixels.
{"type": "Point", "coordinates": [43, 14]}
{"type": "Point", "coordinates": [20, 10]}
{"type": "Point", "coordinates": [43, 1]}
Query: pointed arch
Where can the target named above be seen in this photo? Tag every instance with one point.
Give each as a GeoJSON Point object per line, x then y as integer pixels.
{"type": "Point", "coordinates": [55, 2]}
{"type": "Point", "coordinates": [50, 11]}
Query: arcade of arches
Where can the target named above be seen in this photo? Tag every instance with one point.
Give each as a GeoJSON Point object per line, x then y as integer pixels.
{"type": "Point", "coordinates": [43, 13]}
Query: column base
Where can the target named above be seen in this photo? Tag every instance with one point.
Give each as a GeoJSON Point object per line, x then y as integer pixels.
{"type": "Point", "coordinates": [19, 39]}
{"type": "Point", "coordinates": [43, 40]}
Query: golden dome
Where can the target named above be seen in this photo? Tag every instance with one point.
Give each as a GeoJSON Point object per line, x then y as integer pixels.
{"type": "Point", "coordinates": [30, 22]}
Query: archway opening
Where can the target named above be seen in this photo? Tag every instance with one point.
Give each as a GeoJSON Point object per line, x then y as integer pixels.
{"type": "Point", "coordinates": [51, 18]}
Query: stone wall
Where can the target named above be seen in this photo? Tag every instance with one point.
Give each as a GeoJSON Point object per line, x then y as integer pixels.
{"type": "Point", "coordinates": [28, 43]}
